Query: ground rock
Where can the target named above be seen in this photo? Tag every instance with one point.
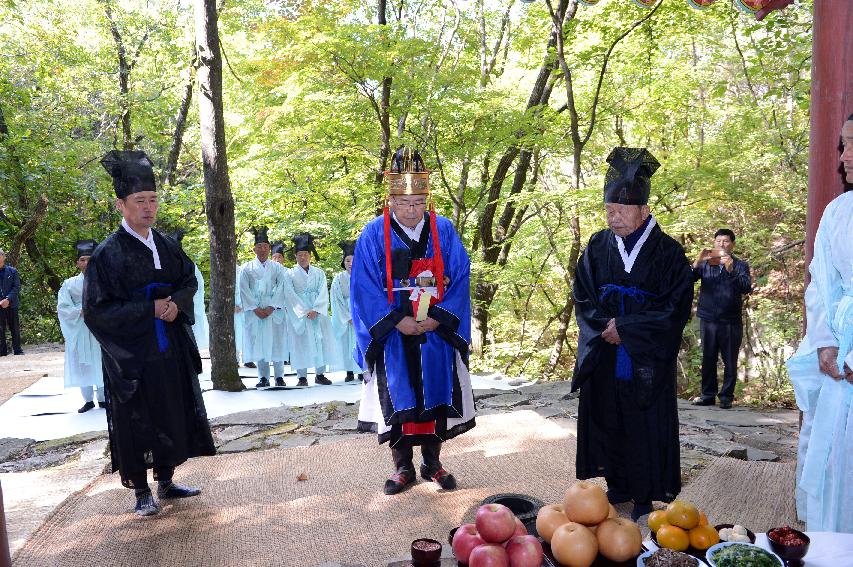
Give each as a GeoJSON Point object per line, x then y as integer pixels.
{"type": "Point", "coordinates": [11, 447]}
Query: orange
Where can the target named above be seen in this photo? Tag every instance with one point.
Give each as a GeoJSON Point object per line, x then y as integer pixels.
{"type": "Point", "coordinates": [703, 519]}
{"type": "Point", "coordinates": [682, 514]}
{"type": "Point", "coordinates": [703, 537]}
{"type": "Point", "coordinates": [657, 519]}
{"type": "Point", "coordinates": [672, 537]}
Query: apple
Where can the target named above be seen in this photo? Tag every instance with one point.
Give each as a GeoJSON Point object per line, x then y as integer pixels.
{"type": "Point", "coordinates": [519, 528]}
{"type": "Point", "coordinates": [495, 522]}
{"type": "Point", "coordinates": [489, 555]}
{"type": "Point", "coordinates": [465, 540]}
{"type": "Point", "coordinates": [524, 551]}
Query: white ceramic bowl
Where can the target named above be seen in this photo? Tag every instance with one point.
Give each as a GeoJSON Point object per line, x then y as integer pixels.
{"type": "Point", "coordinates": [713, 548]}
{"type": "Point", "coordinates": [641, 560]}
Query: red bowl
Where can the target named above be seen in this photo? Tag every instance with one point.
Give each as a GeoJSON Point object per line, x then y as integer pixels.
{"type": "Point", "coordinates": [791, 554]}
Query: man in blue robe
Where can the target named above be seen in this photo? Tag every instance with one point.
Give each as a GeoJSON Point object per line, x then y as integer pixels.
{"type": "Point", "coordinates": [411, 309]}
{"type": "Point", "coordinates": [633, 294]}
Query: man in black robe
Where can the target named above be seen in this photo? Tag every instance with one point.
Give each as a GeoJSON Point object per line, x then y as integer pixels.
{"type": "Point", "coordinates": [633, 292]}
{"type": "Point", "coordinates": [138, 302]}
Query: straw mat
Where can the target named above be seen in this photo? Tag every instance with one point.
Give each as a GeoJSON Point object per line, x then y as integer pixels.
{"type": "Point", "coordinates": [254, 512]}
{"type": "Point", "coordinates": [757, 495]}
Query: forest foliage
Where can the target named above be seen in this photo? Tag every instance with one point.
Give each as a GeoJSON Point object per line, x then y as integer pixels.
{"type": "Point", "coordinates": [514, 119]}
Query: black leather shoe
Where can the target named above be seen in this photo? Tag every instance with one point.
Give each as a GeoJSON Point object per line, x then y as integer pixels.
{"type": "Point", "coordinates": [361, 377]}
{"type": "Point", "coordinates": [725, 405]}
{"type": "Point", "coordinates": [320, 379]}
{"type": "Point", "coordinates": [20, 352]}
{"type": "Point", "coordinates": [279, 383]}
{"type": "Point", "coordinates": [398, 482]}
{"type": "Point", "coordinates": [302, 382]}
{"type": "Point", "coordinates": [102, 404]}
{"type": "Point", "coordinates": [701, 402]}
{"type": "Point", "coordinates": [350, 377]}
{"type": "Point", "coordinates": [146, 505]}
{"type": "Point", "coordinates": [173, 490]}
{"type": "Point", "coordinates": [250, 365]}
{"type": "Point", "coordinates": [263, 383]}
{"type": "Point", "coordinates": [441, 477]}
{"type": "Point", "coordinates": [86, 407]}
{"type": "Point", "coordinates": [640, 510]}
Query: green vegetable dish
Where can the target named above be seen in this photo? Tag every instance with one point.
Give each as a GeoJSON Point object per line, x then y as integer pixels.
{"type": "Point", "coordinates": [743, 556]}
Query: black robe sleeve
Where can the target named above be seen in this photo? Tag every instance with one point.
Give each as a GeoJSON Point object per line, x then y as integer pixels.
{"type": "Point", "coordinates": [590, 318]}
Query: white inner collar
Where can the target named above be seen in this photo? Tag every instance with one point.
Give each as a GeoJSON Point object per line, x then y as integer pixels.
{"type": "Point", "coordinates": [629, 259]}
{"type": "Point", "coordinates": [413, 233]}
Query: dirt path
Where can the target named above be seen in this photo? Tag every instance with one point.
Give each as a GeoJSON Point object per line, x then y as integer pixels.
{"type": "Point", "coordinates": [17, 373]}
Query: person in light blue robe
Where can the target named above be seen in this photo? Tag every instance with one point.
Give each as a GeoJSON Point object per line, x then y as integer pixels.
{"type": "Point", "coordinates": [313, 344]}
{"type": "Point", "coordinates": [411, 308]}
{"type": "Point", "coordinates": [238, 316]}
{"type": "Point", "coordinates": [342, 326]}
{"type": "Point", "coordinates": [200, 328]}
{"type": "Point", "coordinates": [263, 286]}
{"type": "Point", "coordinates": [822, 369]}
{"type": "Point", "coordinates": [82, 352]}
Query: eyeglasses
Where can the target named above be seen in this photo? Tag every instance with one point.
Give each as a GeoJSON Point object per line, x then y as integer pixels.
{"type": "Point", "coordinates": [407, 204]}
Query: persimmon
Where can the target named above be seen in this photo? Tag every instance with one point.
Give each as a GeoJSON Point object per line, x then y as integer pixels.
{"type": "Point", "coordinates": [703, 537]}
{"type": "Point", "coordinates": [672, 537]}
{"type": "Point", "coordinates": [682, 514]}
{"type": "Point", "coordinates": [657, 519]}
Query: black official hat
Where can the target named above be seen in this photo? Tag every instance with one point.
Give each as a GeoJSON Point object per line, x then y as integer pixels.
{"type": "Point", "coordinates": [277, 248]}
{"type": "Point", "coordinates": [628, 180]}
{"type": "Point", "coordinates": [304, 241]}
{"type": "Point", "coordinates": [261, 235]}
{"type": "Point", "coordinates": [348, 249]}
{"type": "Point", "coordinates": [131, 170]}
{"type": "Point", "coordinates": [85, 247]}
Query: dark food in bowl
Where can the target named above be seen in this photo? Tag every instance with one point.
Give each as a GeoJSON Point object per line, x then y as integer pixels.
{"type": "Point", "coordinates": [668, 558]}
{"type": "Point", "coordinates": [788, 536]}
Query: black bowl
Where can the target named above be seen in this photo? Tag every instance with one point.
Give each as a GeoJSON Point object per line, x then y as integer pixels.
{"type": "Point", "coordinates": [749, 533]}
{"type": "Point", "coordinates": [524, 507]}
{"type": "Point", "coordinates": [791, 554]}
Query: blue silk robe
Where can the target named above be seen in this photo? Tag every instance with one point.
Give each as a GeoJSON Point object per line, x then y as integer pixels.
{"type": "Point", "coordinates": [412, 379]}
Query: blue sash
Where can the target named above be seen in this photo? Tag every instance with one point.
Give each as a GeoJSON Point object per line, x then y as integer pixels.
{"type": "Point", "coordinates": [159, 324]}
{"type": "Point", "coordinates": [624, 366]}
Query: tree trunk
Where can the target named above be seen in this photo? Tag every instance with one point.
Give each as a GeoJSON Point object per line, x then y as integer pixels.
{"type": "Point", "coordinates": [124, 67]}
{"type": "Point", "coordinates": [384, 109]}
{"type": "Point", "coordinates": [484, 294]}
{"type": "Point", "coordinates": [167, 177]}
{"type": "Point", "coordinates": [218, 200]}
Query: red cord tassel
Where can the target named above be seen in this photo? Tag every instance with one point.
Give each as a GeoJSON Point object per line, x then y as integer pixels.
{"type": "Point", "coordinates": [438, 261]}
{"type": "Point", "coordinates": [389, 282]}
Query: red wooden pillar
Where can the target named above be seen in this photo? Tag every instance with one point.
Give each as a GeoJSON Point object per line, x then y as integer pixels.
{"type": "Point", "coordinates": [831, 103]}
{"type": "Point", "coordinates": [5, 557]}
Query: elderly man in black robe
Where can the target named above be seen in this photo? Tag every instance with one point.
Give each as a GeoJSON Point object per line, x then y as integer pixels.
{"type": "Point", "coordinates": [138, 302]}
{"type": "Point", "coordinates": [633, 292]}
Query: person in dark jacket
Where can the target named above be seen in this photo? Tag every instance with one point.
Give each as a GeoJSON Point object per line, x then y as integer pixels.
{"type": "Point", "coordinates": [10, 286]}
{"type": "Point", "coordinates": [725, 279]}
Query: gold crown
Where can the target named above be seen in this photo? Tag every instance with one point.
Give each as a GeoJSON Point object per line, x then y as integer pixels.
{"type": "Point", "coordinates": [408, 183]}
